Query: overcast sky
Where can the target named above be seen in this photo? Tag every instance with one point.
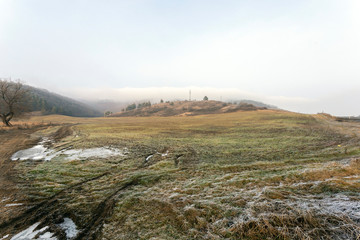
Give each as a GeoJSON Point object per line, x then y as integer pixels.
{"type": "Point", "coordinates": [300, 55]}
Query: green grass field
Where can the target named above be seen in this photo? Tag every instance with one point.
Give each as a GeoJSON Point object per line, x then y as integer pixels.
{"type": "Point", "coordinates": [244, 175]}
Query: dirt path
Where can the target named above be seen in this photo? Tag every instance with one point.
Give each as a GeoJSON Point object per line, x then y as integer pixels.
{"type": "Point", "coordinates": [13, 201]}
{"type": "Point", "coordinates": [17, 212]}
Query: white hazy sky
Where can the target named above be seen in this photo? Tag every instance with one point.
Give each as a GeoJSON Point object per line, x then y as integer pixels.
{"type": "Point", "coordinates": [300, 55]}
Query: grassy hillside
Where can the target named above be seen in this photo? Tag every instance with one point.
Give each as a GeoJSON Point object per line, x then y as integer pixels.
{"type": "Point", "coordinates": [255, 103]}
{"type": "Point", "coordinates": [184, 108]}
{"type": "Point", "coordinates": [243, 175]}
{"type": "Point", "coordinates": [52, 103]}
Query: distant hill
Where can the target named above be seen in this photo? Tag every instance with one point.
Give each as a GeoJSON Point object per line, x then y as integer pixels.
{"type": "Point", "coordinates": [255, 103]}
{"type": "Point", "coordinates": [106, 105]}
{"type": "Point", "coordinates": [46, 102]}
{"type": "Point", "coordinates": [185, 108]}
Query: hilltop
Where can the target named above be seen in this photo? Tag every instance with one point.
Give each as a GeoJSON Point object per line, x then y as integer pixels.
{"type": "Point", "coordinates": [186, 108]}
{"type": "Point", "coordinates": [255, 103]}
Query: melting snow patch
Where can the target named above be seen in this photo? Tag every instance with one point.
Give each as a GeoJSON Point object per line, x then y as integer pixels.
{"type": "Point", "coordinates": [47, 235]}
{"type": "Point", "coordinates": [37, 152]}
{"type": "Point", "coordinates": [69, 227]}
{"type": "Point", "coordinates": [102, 152]}
{"type": "Point", "coordinates": [13, 204]}
{"type": "Point", "coordinates": [148, 158]}
{"type": "Point", "coordinates": [165, 154]}
{"type": "Point", "coordinates": [352, 176]}
{"type": "Point", "coordinates": [5, 199]}
{"type": "Point", "coordinates": [41, 152]}
{"type": "Point", "coordinates": [30, 233]}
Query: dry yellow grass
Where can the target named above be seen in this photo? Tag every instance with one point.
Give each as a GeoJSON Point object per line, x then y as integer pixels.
{"type": "Point", "coordinates": [244, 175]}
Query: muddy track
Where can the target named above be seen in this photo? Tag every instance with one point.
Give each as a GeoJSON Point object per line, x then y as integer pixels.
{"type": "Point", "coordinates": [43, 208]}
{"type": "Point", "coordinates": [46, 209]}
{"type": "Point", "coordinates": [63, 132]}
{"type": "Point", "coordinates": [11, 141]}
{"type": "Point", "coordinates": [48, 212]}
{"type": "Point", "coordinates": [93, 229]}
{"type": "Point", "coordinates": [52, 209]}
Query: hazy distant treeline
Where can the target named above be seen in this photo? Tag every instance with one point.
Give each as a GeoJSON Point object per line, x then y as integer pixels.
{"type": "Point", "coordinates": [51, 103]}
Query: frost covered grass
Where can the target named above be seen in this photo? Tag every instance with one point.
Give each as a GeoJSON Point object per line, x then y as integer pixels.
{"type": "Point", "coordinates": [244, 175]}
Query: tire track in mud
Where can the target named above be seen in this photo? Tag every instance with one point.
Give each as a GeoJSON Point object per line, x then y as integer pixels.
{"type": "Point", "coordinates": [11, 141]}
{"type": "Point", "coordinates": [93, 229]}
{"type": "Point", "coordinates": [49, 211]}
{"type": "Point", "coordinates": [104, 210]}
{"type": "Point", "coordinates": [45, 208]}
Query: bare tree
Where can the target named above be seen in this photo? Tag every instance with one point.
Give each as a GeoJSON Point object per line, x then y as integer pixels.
{"type": "Point", "coordinates": [13, 100]}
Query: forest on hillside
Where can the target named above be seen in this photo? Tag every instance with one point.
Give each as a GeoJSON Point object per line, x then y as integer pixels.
{"type": "Point", "coordinates": [51, 103]}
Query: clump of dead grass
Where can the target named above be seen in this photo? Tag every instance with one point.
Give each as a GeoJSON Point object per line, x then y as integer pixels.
{"type": "Point", "coordinates": [276, 220]}
{"type": "Point", "coordinates": [302, 226]}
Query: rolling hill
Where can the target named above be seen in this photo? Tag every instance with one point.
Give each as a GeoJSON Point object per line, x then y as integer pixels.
{"type": "Point", "coordinates": [184, 108]}
{"type": "Point", "coordinates": [46, 102]}
{"type": "Point", "coordinates": [255, 103]}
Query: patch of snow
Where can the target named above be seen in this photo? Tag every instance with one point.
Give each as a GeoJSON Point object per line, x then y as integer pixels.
{"type": "Point", "coordinates": [352, 176]}
{"type": "Point", "coordinates": [51, 154]}
{"type": "Point", "coordinates": [37, 152]}
{"type": "Point", "coordinates": [4, 237]}
{"type": "Point", "coordinates": [174, 195]}
{"type": "Point", "coordinates": [69, 227]}
{"type": "Point", "coordinates": [148, 158]}
{"type": "Point", "coordinates": [30, 233]}
{"type": "Point", "coordinates": [13, 204]}
{"type": "Point", "coordinates": [47, 235]}
{"type": "Point", "coordinates": [102, 152]}
{"type": "Point", "coordinates": [165, 154]}
{"type": "Point", "coordinates": [41, 152]}
{"type": "Point", "coordinates": [27, 233]}
{"type": "Point", "coordinates": [5, 199]}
